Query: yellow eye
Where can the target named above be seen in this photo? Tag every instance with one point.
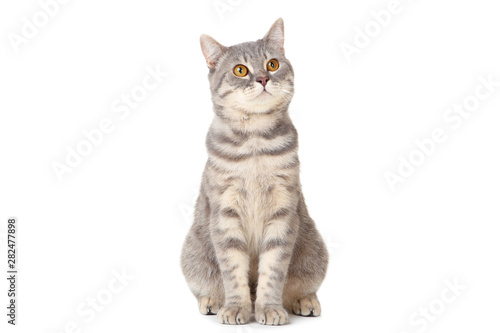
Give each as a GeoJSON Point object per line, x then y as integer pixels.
{"type": "Point", "coordinates": [272, 65]}
{"type": "Point", "coordinates": [240, 70]}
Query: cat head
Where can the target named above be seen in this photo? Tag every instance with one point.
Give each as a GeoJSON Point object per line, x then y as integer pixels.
{"type": "Point", "coordinates": [253, 77]}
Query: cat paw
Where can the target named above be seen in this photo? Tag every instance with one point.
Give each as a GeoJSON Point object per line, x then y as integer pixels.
{"type": "Point", "coordinates": [208, 305]}
{"type": "Point", "coordinates": [234, 315]}
{"type": "Point", "coordinates": [271, 315]}
{"type": "Point", "coordinates": [307, 306]}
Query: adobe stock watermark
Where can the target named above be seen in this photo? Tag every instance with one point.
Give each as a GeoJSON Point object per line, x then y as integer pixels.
{"type": "Point", "coordinates": [453, 118]}
{"type": "Point", "coordinates": [31, 26]}
{"type": "Point", "coordinates": [121, 106]}
{"type": "Point", "coordinates": [420, 320]}
{"type": "Point", "coordinates": [379, 20]}
{"type": "Point", "coordinates": [90, 308]}
{"type": "Point", "coordinates": [222, 7]}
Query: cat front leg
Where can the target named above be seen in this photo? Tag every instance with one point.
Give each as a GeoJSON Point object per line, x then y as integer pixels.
{"type": "Point", "coordinates": [232, 254]}
{"type": "Point", "coordinates": [277, 246]}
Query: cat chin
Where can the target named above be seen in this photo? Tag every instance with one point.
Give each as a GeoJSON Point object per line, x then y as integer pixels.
{"type": "Point", "coordinates": [261, 105]}
{"type": "Point", "coordinates": [258, 105]}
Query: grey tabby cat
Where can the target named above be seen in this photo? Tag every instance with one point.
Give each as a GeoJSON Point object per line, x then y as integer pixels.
{"type": "Point", "coordinates": [252, 245]}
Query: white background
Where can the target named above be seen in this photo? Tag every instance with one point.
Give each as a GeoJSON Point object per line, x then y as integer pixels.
{"type": "Point", "coordinates": [127, 205]}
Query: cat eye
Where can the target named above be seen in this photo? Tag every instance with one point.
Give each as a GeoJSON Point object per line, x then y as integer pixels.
{"type": "Point", "coordinates": [240, 70]}
{"type": "Point", "coordinates": [272, 65]}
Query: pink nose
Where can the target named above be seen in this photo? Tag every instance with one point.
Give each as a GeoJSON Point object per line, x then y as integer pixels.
{"type": "Point", "coordinates": [263, 80]}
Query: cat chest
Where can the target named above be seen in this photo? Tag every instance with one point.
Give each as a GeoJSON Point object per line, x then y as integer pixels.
{"type": "Point", "coordinates": [258, 199]}
{"type": "Point", "coordinates": [254, 198]}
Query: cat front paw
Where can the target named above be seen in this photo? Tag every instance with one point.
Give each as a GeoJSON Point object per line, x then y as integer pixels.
{"type": "Point", "coordinates": [271, 315]}
{"type": "Point", "coordinates": [234, 314]}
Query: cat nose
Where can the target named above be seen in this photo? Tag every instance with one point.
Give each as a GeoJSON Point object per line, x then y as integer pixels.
{"type": "Point", "coordinates": [263, 80]}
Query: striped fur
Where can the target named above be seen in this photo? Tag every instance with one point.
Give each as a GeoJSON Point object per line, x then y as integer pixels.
{"type": "Point", "coordinates": [252, 245]}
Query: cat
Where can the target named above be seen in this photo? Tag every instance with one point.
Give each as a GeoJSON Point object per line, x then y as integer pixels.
{"type": "Point", "coordinates": [252, 245]}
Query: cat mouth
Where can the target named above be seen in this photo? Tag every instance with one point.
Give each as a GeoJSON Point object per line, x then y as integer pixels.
{"type": "Point", "coordinates": [264, 93]}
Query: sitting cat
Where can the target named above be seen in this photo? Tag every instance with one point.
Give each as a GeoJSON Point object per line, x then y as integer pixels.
{"type": "Point", "coordinates": [252, 245]}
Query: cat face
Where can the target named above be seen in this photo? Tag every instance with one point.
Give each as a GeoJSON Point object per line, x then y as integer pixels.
{"type": "Point", "coordinates": [253, 77]}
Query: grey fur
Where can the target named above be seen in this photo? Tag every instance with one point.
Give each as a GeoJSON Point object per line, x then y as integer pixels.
{"type": "Point", "coordinates": [252, 245]}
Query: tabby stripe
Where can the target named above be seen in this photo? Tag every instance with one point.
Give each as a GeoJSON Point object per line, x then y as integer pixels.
{"type": "Point", "coordinates": [278, 274]}
{"type": "Point", "coordinates": [289, 146]}
{"type": "Point", "coordinates": [224, 94]}
{"type": "Point", "coordinates": [284, 177]}
{"type": "Point", "coordinates": [282, 128]}
{"type": "Point", "coordinates": [212, 149]}
{"type": "Point", "coordinates": [229, 213]}
{"type": "Point", "coordinates": [232, 243]}
{"type": "Point", "coordinates": [219, 231]}
{"type": "Point", "coordinates": [274, 243]}
{"type": "Point", "coordinates": [281, 213]}
{"type": "Point", "coordinates": [228, 272]}
{"type": "Point", "coordinates": [291, 164]}
{"type": "Point", "coordinates": [233, 299]}
{"type": "Point", "coordinates": [239, 133]}
{"type": "Point", "coordinates": [216, 88]}
{"type": "Point", "coordinates": [284, 256]}
{"type": "Point", "coordinates": [221, 138]}
{"type": "Point", "coordinates": [217, 152]}
{"type": "Point", "coordinates": [216, 167]}
{"type": "Point", "coordinates": [218, 112]}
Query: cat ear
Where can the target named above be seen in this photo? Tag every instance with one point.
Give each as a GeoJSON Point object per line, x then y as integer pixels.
{"type": "Point", "coordinates": [276, 35]}
{"type": "Point", "coordinates": [212, 50]}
